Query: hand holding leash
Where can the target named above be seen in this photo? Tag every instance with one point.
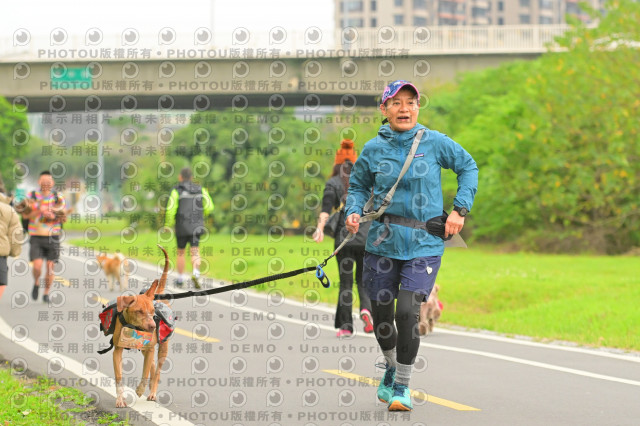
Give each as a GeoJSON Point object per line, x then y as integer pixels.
{"type": "Point", "coordinates": [353, 223]}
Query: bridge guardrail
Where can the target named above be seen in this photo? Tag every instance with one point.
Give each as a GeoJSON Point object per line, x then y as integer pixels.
{"type": "Point", "coordinates": [246, 44]}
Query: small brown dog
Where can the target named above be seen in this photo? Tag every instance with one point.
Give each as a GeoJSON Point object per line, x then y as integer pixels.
{"type": "Point", "coordinates": [139, 311]}
{"type": "Point", "coordinates": [27, 209]}
{"type": "Point", "coordinates": [25, 206]}
{"type": "Point", "coordinates": [430, 312]}
{"type": "Point", "coordinates": [60, 212]}
{"type": "Point", "coordinates": [115, 268]}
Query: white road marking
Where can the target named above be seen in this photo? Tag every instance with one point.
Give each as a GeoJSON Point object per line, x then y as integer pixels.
{"type": "Point", "coordinates": [475, 335]}
{"type": "Point", "coordinates": [142, 406]}
{"type": "Point", "coordinates": [452, 349]}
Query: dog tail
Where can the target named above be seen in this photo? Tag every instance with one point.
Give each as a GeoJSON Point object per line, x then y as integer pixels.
{"type": "Point", "coordinates": [163, 279]}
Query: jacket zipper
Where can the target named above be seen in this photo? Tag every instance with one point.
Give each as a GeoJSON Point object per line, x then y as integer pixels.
{"type": "Point", "coordinates": [407, 231]}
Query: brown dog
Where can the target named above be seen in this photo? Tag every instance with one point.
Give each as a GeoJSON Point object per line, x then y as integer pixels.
{"type": "Point", "coordinates": [139, 311]}
{"type": "Point", "coordinates": [27, 206]}
{"type": "Point", "coordinates": [115, 268]}
{"type": "Point", "coordinates": [430, 312]}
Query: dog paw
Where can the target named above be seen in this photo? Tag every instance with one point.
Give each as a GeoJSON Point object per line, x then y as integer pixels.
{"type": "Point", "coordinates": [152, 397]}
{"type": "Point", "coordinates": [140, 389]}
{"type": "Point", "coordinates": [422, 328]}
{"type": "Point", "coordinates": [120, 403]}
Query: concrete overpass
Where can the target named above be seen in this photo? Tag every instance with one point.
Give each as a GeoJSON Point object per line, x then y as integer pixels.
{"type": "Point", "coordinates": [70, 76]}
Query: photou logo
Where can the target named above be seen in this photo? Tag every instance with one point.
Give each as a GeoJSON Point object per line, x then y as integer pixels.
{"type": "Point", "coordinates": [202, 70]}
{"type": "Point", "coordinates": [94, 69]}
{"type": "Point", "coordinates": [58, 36]}
{"type": "Point", "coordinates": [277, 35]}
{"type": "Point", "coordinates": [166, 70]}
{"type": "Point", "coordinates": [312, 35]}
{"type": "Point", "coordinates": [93, 36]}
{"type": "Point", "coordinates": [167, 35]}
{"type": "Point", "coordinates": [130, 36]}
{"type": "Point", "coordinates": [21, 71]}
{"type": "Point", "coordinates": [21, 37]}
{"type": "Point", "coordinates": [202, 36]}
{"type": "Point", "coordinates": [240, 35]}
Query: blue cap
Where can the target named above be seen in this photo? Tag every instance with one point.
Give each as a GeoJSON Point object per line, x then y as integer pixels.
{"type": "Point", "coordinates": [393, 88]}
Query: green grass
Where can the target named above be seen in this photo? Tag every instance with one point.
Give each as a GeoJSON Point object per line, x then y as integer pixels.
{"type": "Point", "coordinates": [40, 401]}
{"type": "Point", "coordinates": [590, 300]}
{"type": "Point", "coordinates": [106, 225]}
{"type": "Point", "coordinates": [109, 419]}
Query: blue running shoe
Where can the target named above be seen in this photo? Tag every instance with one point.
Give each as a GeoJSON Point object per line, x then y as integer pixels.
{"type": "Point", "coordinates": [385, 388]}
{"type": "Point", "coordinates": [401, 399]}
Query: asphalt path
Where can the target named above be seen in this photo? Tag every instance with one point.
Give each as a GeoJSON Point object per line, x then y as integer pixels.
{"type": "Point", "coordinates": [247, 357]}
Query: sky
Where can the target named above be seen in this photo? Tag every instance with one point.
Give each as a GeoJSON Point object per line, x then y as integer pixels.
{"type": "Point", "coordinates": [40, 17]}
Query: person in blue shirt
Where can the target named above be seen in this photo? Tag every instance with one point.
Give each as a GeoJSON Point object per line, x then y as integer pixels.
{"type": "Point", "coordinates": [402, 258]}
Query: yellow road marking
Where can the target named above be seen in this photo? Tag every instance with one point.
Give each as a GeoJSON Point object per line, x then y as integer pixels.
{"type": "Point", "coordinates": [415, 394]}
{"type": "Point", "coordinates": [175, 330]}
{"type": "Point", "coordinates": [195, 336]}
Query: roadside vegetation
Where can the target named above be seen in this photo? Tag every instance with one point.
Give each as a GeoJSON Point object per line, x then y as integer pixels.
{"type": "Point", "coordinates": [40, 401]}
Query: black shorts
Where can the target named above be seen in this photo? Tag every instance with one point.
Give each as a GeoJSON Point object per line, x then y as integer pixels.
{"type": "Point", "coordinates": [44, 248]}
{"type": "Point", "coordinates": [194, 240]}
{"type": "Point", "coordinates": [4, 271]}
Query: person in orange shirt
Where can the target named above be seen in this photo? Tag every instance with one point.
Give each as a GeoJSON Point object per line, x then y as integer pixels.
{"type": "Point", "coordinates": [45, 225]}
{"type": "Point", "coordinates": [351, 255]}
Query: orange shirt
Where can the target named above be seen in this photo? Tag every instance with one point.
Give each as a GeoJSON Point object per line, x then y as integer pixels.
{"type": "Point", "coordinates": [40, 226]}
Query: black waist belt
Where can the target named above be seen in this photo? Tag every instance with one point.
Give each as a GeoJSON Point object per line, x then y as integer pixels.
{"type": "Point", "coordinates": [434, 226]}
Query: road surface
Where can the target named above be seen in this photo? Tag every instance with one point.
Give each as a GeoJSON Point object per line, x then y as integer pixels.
{"type": "Point", "coordinates": [250, 358]}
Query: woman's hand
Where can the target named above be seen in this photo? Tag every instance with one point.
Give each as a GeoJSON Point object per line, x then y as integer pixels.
{"type": "Point", "coordinates": [353, 223]}
{"type": "Point", "coordinates": [454, 224]}
{"type": "Point", "coordinates": [318, 235]}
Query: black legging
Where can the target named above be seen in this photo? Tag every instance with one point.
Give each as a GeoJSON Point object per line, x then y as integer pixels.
{"type": "Point", "coordinates": [406, 339]}
{"type": "Point", "coordinates": [346, 258]}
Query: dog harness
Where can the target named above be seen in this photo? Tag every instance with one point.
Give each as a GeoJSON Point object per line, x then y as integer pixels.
{"type": "Point", "coordinates": [164, 319]}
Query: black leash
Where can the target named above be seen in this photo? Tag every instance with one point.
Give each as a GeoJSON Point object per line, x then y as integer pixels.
{"type": "Point", "coordinates": [324, 280]}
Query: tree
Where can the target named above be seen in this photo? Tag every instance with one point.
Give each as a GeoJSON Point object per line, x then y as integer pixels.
{"type": "Point", "coordinates": [557, 140]}
{"type": "Point", "coordinates": [14, 137]}
{"type": "Point", "coordinates": [261, 168]}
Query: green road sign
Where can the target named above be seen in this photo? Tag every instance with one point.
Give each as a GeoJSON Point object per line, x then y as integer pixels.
{"type": "Point", "coordinates": [65, 78]}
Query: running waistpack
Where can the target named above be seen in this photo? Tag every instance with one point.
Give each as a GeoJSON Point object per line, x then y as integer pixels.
{"type": "Point", "coordinates": [434, 226]}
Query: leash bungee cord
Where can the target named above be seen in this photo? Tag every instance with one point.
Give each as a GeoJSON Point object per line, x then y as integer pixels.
{"type": "Point", "coordinates": [320, 275]}
{"type": "Point", "coordinates": [237, 286]}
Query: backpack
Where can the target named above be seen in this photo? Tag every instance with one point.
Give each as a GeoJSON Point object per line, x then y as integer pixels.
{"type": "Point", "coordinates": [164, 318]}
{"type": "Point", "coordinates": [360, 240]}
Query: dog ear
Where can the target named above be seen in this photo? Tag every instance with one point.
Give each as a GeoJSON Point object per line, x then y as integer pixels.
{"type": "Point", "coordinates": [152, 290]}
{"type": "Point", "coordinates": [124, 302]}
